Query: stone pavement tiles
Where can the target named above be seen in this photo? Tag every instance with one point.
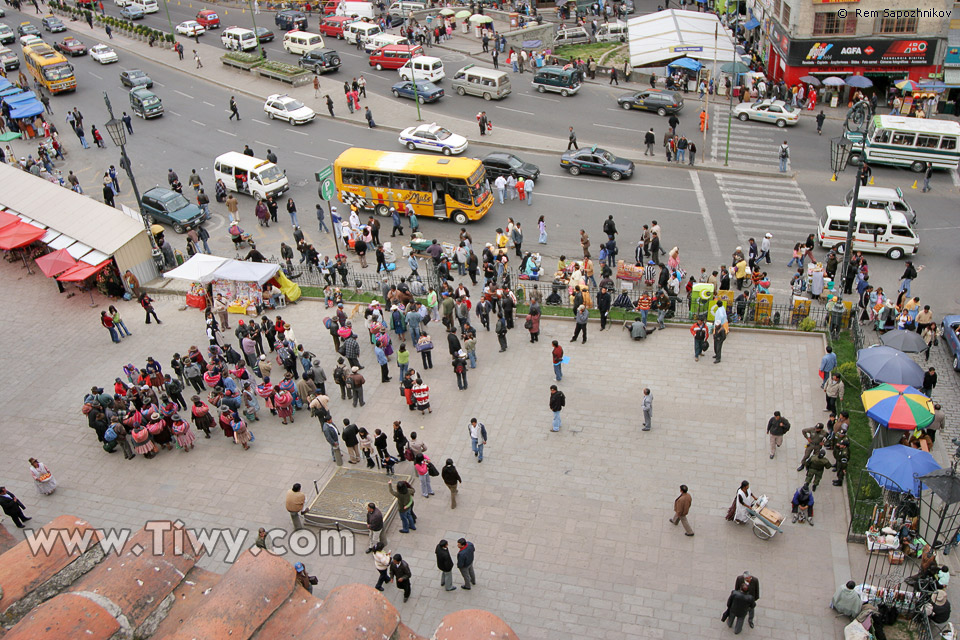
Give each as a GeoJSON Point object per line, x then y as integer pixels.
{"type": "Point", "coordinates": [571, 529]}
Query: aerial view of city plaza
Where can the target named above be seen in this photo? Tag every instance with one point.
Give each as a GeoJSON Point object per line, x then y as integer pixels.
{"type": "Point", "coordinates": [461, 320]}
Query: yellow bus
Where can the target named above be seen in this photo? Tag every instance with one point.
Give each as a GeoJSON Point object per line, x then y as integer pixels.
{"type": "Point", "coordinates": [436, 186]}
{"type": "Point", "coordinates": [49, 68]}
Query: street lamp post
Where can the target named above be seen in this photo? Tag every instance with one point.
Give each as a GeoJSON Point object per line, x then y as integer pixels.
{"type": "Point", "coordinates": [253, 17]}
{"type": "Point", "coordinates": [118, 135]}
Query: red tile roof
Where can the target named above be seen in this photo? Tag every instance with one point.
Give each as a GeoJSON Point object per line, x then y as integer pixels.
{"type": "Point", "coordinates": [155, 593]}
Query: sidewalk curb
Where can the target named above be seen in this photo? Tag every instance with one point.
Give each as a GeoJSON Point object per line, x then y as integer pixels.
{"type": "Point", "coordinates": [122, 43]}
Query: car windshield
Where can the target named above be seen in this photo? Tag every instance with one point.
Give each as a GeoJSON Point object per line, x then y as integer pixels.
{"type": "Point", "coordinates": [293, 105]}
{"type": "Point", "coordinates": [442, 134]}
{"type": "Point", "coordinates": [58, 72]}
{"type": "Point", "coordinates": [606, 156]}
{"type": "Point", "coordinates": [175, 202]}
{"type": "Point", "coordinates": [135, 75]}
{"type": "Point", "coordinates": [151, 101]}
{"type": "Point", "coordinates": [270, 175]}
{"type": "Point", "coordinates": [70, 42]}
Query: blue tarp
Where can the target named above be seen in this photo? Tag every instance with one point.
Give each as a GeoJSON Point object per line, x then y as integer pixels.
{"type": "Point", "coordinates": [686, 63]}
{"type": "Point", "coordinates": [10, 91]}
{"type": "Point", "coordinates": [20, 97]}
{"type": "Point", "coordinates": [752, 23]}
{"type": "Point", "coordinates": [26, 110]}
{"type": "Point", "coordinates": [5, 84]}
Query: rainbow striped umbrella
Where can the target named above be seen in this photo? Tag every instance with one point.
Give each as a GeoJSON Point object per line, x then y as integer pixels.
{"type": "Point", "coordinates": [898, 406]}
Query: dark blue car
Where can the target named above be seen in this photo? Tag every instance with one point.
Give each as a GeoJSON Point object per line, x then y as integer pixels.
{"type": "Point", "coordinates": [598, 161]}
{"type": "Point", "coordinates": [426, 91]}
{"type": "Point", "coordinates": [949, 327]}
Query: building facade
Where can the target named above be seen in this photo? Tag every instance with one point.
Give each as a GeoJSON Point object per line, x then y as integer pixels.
{"type": "Point", "coordinates": [885, 41]}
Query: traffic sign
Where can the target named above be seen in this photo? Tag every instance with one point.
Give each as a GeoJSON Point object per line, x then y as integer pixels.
{"type": "Point", "coordinates": [328, 190]}
{"type": "Point", "coordinates": [324, 173]}
{"type": "Point", "coordinates": [687, 49]}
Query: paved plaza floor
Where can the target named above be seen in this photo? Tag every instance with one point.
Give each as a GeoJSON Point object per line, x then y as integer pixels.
{"type": "Point", "coordinates": [570, 528]}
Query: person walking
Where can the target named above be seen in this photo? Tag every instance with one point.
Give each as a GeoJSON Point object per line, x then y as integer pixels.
{"type": "Point", "coordinates": [821, 117]}
{"type": "Point", "coordinates": [483, 121]}
{"type": "Point", "coordinates": [909, 274]}
{"type": "Point", "coordinates": [784, 155]}
{"type": "Point", "coordinates": [927, 174]}
{"type": "Point", "coordinates": [753, 589]}
{"type": "Point", "coordinates": [404, 494]}
{"type": "Point", "coordinates": [815, 437]}
{"type": "Point", "coordinates": [929, 382]}
{"type": "Point", "coordinates": [557, 355]}
{"type": "Point", "coordinates": [777, 427]}
{"type": "Point", "coordinates": [528, 190]}
{"type": "Point", "coordinates": [582, 317]}
{"type": "Point", "coordinates": [647, 406]}
{"type": "Point", "coordinates": [501, 330]}
{"type": "Point", "coordinates": [42, 477]}
{"type": "Point", "coordinates": [355, 382]}
{"type": "Point", "coordinates": [478, 438]}
{"type": "Point", "coordinates": [400, 570]}
{"type": "Point", "coordinates": [196, 58]}
{"type": "Point", "coordinates": [295, 505]}
{"type": "Point", "coordinates": [465, 557]}
{"type": "Point", "coordinates": [234, 111]}
{"type": "Point", "coordinates": [369, 116]}
{"type": "Point", "coordinates": [833, 391]}
{"type": "Point", "coordinates": [451, 478]}
{"type": "Point", "coordinates": [445, 565]}
{"type": "Point", "coordinates": [649, 139]}
{"type": "Point", "coordinates": [827, 364]}
{"type": "Point", "coordinates": [374, 525]}
{"type": "Point", "coordinates": [11, 505]}
{"type": "Point", "coordinates": [700, 333]}
{"type": "Point", "coordinates": [381, 560]}
{"type": "Point", "coordinates": [681, 508]}
{"type": "Point", "coordinates": [557, 402]}
{"type": "Point", "coordinates": [572, 140]}
{"type": "Point", "coordinates": [739, 604]}
{"type": "Point", "coordinates": [147, 303]}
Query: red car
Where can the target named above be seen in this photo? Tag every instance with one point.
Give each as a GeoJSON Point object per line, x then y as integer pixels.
{"type": "Point", "coordinates": [333, 26]}
{"type": "Point", "coordinates": [330, 7]}
{"type": "Point", "coordinates": [71, 46]}
{"type": "Point", "coordinates": [208, 19]}
{"type": "Point", "coordinates": [394, 56]}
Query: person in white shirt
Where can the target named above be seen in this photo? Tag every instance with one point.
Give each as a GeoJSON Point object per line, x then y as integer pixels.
{"type": "Point", "coordinates": [720, 330]}
{"type": "Point", "coordinates": [500, 183]}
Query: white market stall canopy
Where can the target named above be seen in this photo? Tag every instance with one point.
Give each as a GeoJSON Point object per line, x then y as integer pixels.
{"type": "Point", "coordinates": [206, 268]}
{"type": "Point", "coordinates": [657, 38]}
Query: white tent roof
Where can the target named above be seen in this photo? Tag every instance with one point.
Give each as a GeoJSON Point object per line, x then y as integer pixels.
{"type": "Point", "coordinates": [653, 35]}
{"type": "Point", "coordinates": [199, 268]}
{"type": "Point", "coordinates": [206, 268]}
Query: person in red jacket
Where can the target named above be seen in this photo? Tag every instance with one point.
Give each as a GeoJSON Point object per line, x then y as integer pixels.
{"type": "Point", "coordinates": [700, 333]}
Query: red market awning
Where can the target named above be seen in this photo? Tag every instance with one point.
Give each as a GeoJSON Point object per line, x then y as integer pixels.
{"type": "Point", "coordinates": [81, 271]}
{"type": "Point", "coordinates": [19, 234]}
{"type": "Point", "coordinates": [56, 263]}
{"type": "Point", "coordinates": [7, 218]}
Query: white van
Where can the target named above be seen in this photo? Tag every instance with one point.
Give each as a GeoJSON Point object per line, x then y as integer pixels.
{"type": "Point", "coordinates": [253, 176]}
{"type": "Point", "coordinates": [480, 81]}
{"type": "Point", "coordinates": [239, 39]}
{"type": "Point", "coordinates": [404, 8]}
{"type": "Point", "coordinates": [423, 68]}
{"type": "Point", "coordinates": [878, 231]}
{"type": "Point", "coordinates": [361, 31]}
{"type": "Point", "coordinates": [882, 198]}
{"type": "Point", "coordinates": [382, 40]}
{"type": "Point", "coordinates": [147, 6]}
{"type": "Point", "coordinates": [357, 9]}
{"type": "Point", "coordinates": [612, 32]}
{"type": "Point", "coordinates": [301, 42]}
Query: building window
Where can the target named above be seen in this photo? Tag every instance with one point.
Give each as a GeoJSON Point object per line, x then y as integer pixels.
{"type": "Point", "coordinates": [829, 23]}
{"type": "Point", "coordinates": [785, 16]}
{"type": "Point", "coordinates": [776, 8]}
{"type": "Point", "coordinates": [897, 25]}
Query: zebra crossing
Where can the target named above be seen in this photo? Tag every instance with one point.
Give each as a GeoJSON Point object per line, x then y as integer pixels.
{"type": "Point", "coordinates": [767, 205]}
{"type": "Point", "coordinates": [751, 143]}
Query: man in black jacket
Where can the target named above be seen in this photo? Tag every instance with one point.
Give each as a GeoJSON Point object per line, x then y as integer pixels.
{"type": "Point", "coordinates": [603, 305]}
{"type": "Point", "coordinates": [401, 571]}
{"type": "Point", "coordinates": [738, 605]}
{"type": "Point", "coordinates": [12, 506]}
{"type": "Point", "coordinates": [445, 565]}
{"type": "Point", "coordinates": [374, 525]}
{"type": "Point", "coordinates": [451, 478]}
{"type": "Point", "coordinates": [351, 442]}
{"type": "Point", "coordinates": [777, 426]}
{"type": "Point", "coordinates": [753, 589]}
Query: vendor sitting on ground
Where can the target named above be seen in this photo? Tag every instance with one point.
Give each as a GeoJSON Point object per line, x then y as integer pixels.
{"type": "Point", "coordinates": [638, 331]}
{"type": "Point", "coordinates": [271, 296]}
{"type": "Point", "coordinates": [846, 600]}
{"type": "Point", "coordinates": [803, 504]}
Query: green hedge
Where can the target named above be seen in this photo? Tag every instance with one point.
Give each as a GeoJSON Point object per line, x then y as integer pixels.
{"type": "Point", "coordinates": [242, 56]}
{"type": "Point", "coordinates": [282, 68]}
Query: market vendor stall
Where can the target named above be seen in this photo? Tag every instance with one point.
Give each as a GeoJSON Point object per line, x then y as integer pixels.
{"type": "Point", "coordinates": [241, 283]}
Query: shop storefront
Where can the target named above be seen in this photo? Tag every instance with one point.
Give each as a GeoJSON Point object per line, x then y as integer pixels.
{"type": "Point", "coordinates": [884, 61]}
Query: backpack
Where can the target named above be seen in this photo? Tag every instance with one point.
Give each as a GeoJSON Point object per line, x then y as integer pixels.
{"type": "Point", "coordinates": [562, 399]}
{"type": "Point", "coordinates": [338, 375]}
{"type": "Point", "coordinates": [784, 152]}
{"type": "Point", "coordinates": [501, 327]}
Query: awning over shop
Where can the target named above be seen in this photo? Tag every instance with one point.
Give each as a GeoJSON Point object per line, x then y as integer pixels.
{"type": "Point", "coordinates": [657, 38]}
{"type": "Point", "coordinates": [7, 218]}
{"type": "Point", "coordinates": [199, 268]}
{"type": "Point", "coordinates": [686, 63]}
{"type": "Point", "coordinates": [19, 234]}
{"type": "Point", "coordinates": [81, 271]}
{"type": "Point", "coordinates": [259, 272]}
{"type": "Point", "coordinates": [26, 109]}
{"type": "Point", "coordinates": [752, 23]}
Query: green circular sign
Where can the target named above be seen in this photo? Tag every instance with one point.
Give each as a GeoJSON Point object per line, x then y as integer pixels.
{"type": "Point", "coordinates": [327, 189]}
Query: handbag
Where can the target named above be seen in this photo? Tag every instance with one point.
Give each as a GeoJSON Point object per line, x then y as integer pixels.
{"type": "Point", "coordinates": [432, 470]}
{"type": "Point", "coordinates": [528, 324]}
{"type": "Point", "coordinates": [424, 346]}
{"type": "Point", "coordinates": [408, 454]}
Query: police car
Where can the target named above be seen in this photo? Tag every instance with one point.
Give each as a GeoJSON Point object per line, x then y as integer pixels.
{"type": "Point", "coordinates": [432, 137]}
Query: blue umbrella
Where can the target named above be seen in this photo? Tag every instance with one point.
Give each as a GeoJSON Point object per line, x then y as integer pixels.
{"type": "Point", "coordinates": [885, 364]}
{"type": "Point", "coordinates": [859, 82]}
{"type": "Point", "coordinates": [833, 81]}
{"type": "Point", "coordinates": [898, 468]}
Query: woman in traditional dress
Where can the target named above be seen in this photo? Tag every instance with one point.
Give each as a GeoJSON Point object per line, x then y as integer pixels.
{"type": "Point", "coordinates": [250, 403]}
{"type": "Point", "coordinates": [142, 442]}
{"type": "Point", "coordinates": [159, 431]}
{"type": "Point", "coordinates": [201, 415]}
{"type": "Point", "coordinates": [226, 422]}
{"type": "Point", "coordinates": [283, 402]}
{"type": "Point", "coordinates": [182, 432]}
{"type": "Point", "coordinates": [241, 435]}
{"type": "Point", "coordinates": [42, 477]}
{"type": "Point", "coordinates": [745, 499]}
{"type": "Point", "coordinates": [265, 391]}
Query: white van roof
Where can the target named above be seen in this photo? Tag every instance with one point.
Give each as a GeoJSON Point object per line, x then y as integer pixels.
{"type": "Point", "coordinates": [874, 216]}
{"type": "Point", "coordinates": [879, 193]}
{"type": "Point", "coordinates": [427, 59]}
{"type": "Point", "coordinates": [242, 160]}
{"type": "Point", "coordinates": [240, 30]}
{"type": "Point", "coordinates": [484, 71]}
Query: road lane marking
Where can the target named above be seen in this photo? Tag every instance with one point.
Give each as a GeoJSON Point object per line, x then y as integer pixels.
{"type": "Point", "coordinates": [705, 213]}
{"type": "Point", "coordinates": [159, 84]}
{"type": "Point", "coordinates": [198, 122]}
{"type": "Point", "coordinates": [377, 75]}
{"type": "Point", "coordinates": [307, 155]}
{"type": "Point", "coordinates": [542, 98]}
{"type": "Point", "coordinates": [209, 104]}
{"type": "Point", "coordinates": [346, 144]}
{"type": "Point", "coordinates": [607, 126]}
{"type": "Point", "coordinates": [227, 132]}
{"type": "Point", "coordinates": [299, 133]}
{"type": "Point", "coordinates": [261, 122]}
{"type": "Point", "coordinates": [352, 55]}
{"type": "Point", "coordinates": [516, 110]}
{"type": "Point", "coordinates": [173, 112]}
{"type": "Point", "coordinates": [185, 95]}
{"type": "Point", "coordinates": [266, 144]}
{"type": "Point", "coordinates": [95, 75]}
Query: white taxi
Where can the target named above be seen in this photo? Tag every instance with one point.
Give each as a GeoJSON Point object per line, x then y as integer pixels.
{"type": "Point", "coordinates": [283, 107]}
{"type": "Point", "coordinates": [432, 137]}
{"type": "Point", "coordinates": [190, 28]}
{"type": "Point", "coordinates": [103, 54]}
{"type": "Point", "coordinates": [776, 112]}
